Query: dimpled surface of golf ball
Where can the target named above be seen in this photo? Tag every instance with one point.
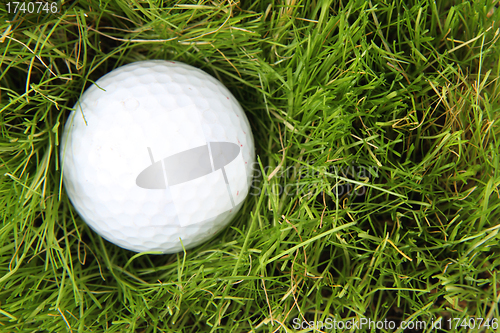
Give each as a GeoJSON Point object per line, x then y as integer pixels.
{"type": "Point", "coordinates": [157, 152]}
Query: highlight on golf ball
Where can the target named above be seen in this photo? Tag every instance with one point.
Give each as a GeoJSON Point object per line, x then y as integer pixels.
{"type": "Point", "coordinates": [157, 155]}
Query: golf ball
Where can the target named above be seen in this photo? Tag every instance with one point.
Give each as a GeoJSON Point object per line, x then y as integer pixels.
{"type": "Point", "coordinates": [156, 153]}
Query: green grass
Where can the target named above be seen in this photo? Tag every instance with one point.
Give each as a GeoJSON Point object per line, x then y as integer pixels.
{"type": "Point", "coordinates": [379, 118]}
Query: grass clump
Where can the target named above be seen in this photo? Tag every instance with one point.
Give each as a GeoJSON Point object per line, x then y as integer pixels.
{"type": "Point", "coordinates": [377, 190]}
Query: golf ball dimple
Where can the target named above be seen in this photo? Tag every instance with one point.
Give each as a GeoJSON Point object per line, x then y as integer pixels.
{"type": "Point", "coordinates": [157, 152]}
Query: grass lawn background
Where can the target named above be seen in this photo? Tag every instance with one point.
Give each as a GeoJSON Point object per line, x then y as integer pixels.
{"type": "Point", "coordinates": [376, 196]}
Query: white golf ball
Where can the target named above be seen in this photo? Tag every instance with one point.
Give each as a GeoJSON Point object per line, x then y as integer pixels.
{"type": "Point", "coordinates": [157, 152]}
